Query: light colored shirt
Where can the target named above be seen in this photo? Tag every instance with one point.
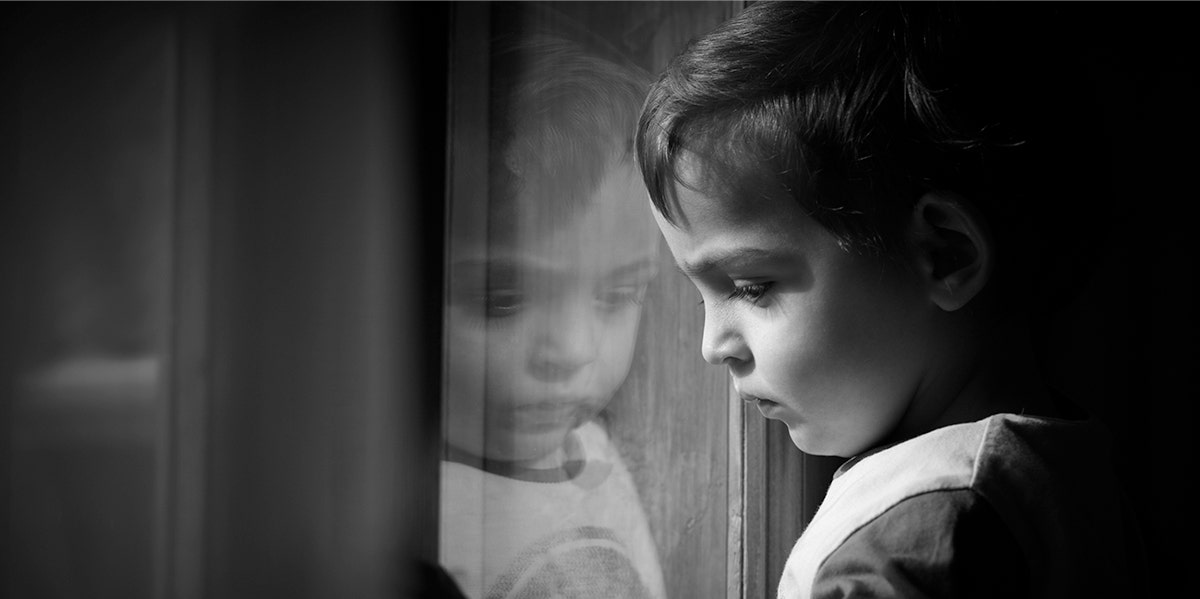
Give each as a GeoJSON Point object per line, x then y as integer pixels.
{"type": "Point", "coordinates": [583, 537]}
{"type": "Point", "coordinates": [1006, 506]}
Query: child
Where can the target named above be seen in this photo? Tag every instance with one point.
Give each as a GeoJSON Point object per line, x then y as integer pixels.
{"type": "Point", "coordinates": [536, 501]}
{"type": "Point", "coordinates": [870, 203]}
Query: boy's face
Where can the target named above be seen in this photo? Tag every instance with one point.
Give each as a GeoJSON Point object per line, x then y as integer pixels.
{"type": "Point", "coordinates": [826, 341]}
{"type": "Point", "coordinates": [549, 324]}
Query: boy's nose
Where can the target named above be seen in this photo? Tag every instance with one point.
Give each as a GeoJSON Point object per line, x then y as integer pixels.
{"type": "Point", "coordinates": [567, 343]}
{"type": "Point", "coordinates": [722, 342]}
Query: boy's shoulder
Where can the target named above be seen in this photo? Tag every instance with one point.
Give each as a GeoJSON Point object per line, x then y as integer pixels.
{"type": "Point", "coordinates": [1043, 484]}
{"type": "Point", "coordinates": [1003, 458]}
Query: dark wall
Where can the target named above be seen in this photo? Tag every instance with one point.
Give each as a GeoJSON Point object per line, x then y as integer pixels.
{"type": "Point", "coordinates": [1123, 349]}
{"type": "Point", "coordinates": [224, 220]}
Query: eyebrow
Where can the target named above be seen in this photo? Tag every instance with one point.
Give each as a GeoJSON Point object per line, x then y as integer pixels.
{"type": "Point", "coordinates": [639, 267]}
{"type": "Point", "coordinates": [725, 260]}
{"type": "Point", "coordinates": [642, 267]}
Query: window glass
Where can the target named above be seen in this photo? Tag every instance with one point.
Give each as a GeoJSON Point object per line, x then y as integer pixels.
{"type": "Point", "coordinates": [586, 444]}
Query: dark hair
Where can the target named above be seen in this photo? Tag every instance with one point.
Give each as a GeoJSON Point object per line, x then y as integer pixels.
{"type": "Point", "coordinates": [858, 109]}
{"type": "Point", "coordinates": [563, 112]}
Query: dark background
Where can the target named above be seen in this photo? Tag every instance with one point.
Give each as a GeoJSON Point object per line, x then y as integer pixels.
{"type": "Point", "coordinates": [1123, 348]}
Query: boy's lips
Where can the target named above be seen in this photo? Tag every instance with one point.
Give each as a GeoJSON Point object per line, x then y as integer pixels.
{"type": "Point", "coordinates": [752, 398]}
{"type": "Point", "coordinates": [766, 407]}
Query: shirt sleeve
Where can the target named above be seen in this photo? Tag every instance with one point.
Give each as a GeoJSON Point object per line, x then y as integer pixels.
{"type": "Point", "coordinates": [941, 544]}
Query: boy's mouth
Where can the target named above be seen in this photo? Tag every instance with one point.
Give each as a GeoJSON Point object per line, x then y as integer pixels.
{"type": "Point", "coordinates": [766, 407]}
{"type": "Point", "coordinates": [746, 397]}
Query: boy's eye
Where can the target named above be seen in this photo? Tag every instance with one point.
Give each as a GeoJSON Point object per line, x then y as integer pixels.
{"type": "Point", "coordinates": [501, 303]}
{"type": "Point", "coordinates": [752, 292]}
{"type": "Point", "coordinates": [614, 298]}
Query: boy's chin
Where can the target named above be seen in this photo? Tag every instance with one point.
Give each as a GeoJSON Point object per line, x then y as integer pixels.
{"type": "Point", "coordinates": [530, 450]}
{"type": "Point", "coordinates": [811, 444]}
{"type": "Point", "coordinates": [801, 441]}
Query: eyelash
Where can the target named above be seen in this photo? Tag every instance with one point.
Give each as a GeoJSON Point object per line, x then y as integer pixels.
{"type": "Point", "coordinates": [752, 293]}
{"type": "Point", "coordinates": [619, 297]}
{"type": "Point", "coordinates": [501, 304]}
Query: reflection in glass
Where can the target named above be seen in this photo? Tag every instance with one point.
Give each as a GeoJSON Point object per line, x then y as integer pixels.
{"type": "Point", "coordinates": [543, 315]}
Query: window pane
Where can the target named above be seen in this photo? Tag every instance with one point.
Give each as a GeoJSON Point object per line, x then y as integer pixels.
{"type": "Point", "coordinates": [587, 446]}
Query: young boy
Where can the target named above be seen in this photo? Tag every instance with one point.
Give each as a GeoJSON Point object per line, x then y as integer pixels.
{"type": "Point", "coordinates": [872, 206]}
{"type": "Point", "coordinates": [536, 499]}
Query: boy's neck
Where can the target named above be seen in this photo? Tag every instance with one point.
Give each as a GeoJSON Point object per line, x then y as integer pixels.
{"type": "Point", "coordinates": [1002, 377]}
{"type": "Point", "coordinates": [562, 464]}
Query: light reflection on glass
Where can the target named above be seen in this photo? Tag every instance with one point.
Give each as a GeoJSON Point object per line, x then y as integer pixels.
{"type": "Point", "coordinates": [543, 314]}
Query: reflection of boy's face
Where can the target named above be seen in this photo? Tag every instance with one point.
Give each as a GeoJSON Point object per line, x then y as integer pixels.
{"type": "Point", "coordinates": [831, 343]}
{"type": "Point", "coordinates": [555, 309]}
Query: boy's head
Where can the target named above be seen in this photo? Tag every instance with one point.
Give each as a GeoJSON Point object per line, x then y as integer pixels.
{"type": "Point", "coordinates": [857, 109]}
{"type": "Point", "coordinates": [569, 249]}
{"type": "Point", "coordinates": [856, 189]}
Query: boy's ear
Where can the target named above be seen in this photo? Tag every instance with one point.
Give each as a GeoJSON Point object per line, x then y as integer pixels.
{"type": "Point", "coordinates": [954, 248]}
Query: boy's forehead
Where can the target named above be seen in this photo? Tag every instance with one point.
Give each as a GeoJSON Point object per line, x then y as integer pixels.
{"type": "Point", "coordinates": [611, 227]}
{"type": "Point", "coordinates": [731, 191]}
{"type": "Point", "coordinates": [580, 241]}
{"type": "Point", "coordinates": [615, 208]}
